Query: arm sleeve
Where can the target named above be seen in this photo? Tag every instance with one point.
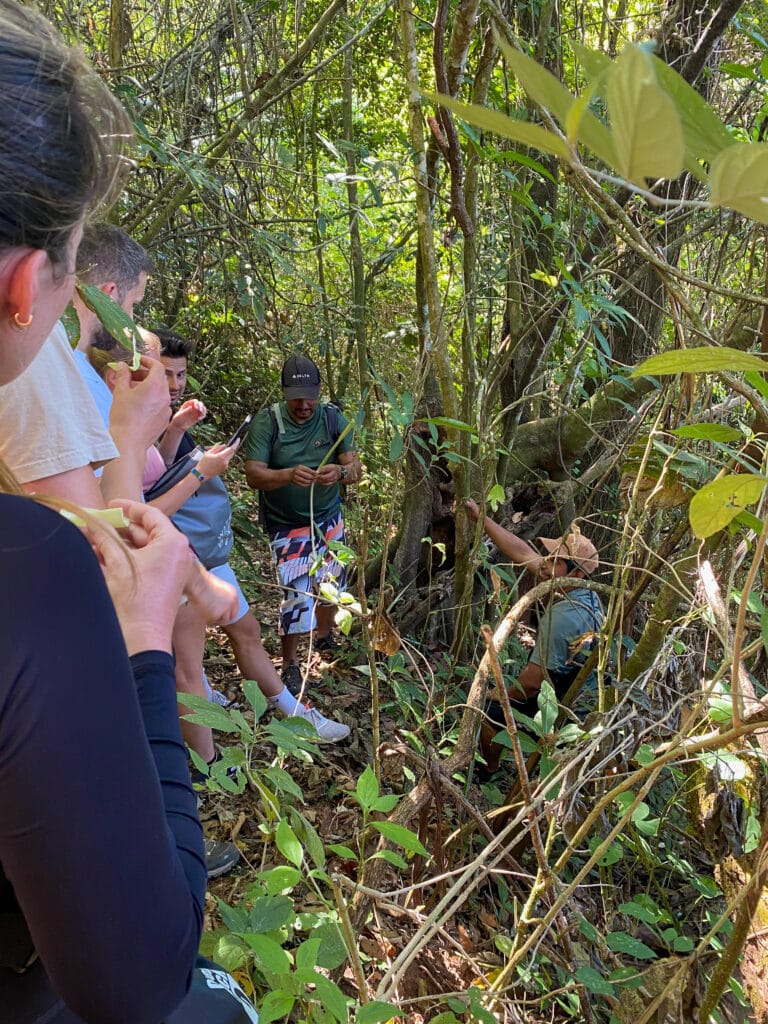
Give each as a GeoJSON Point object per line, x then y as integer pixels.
{"type": "Point", "coordinates": [49, 423]}
{"type": "Point", "coordinates": [348, 442]}
{"type": "Point", "coordinates": [257, 444]}
{"type": "Point", "coordinates": [99, 833]}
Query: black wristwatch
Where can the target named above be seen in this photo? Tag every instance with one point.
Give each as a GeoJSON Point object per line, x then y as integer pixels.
{"type": "Point", "coordinates": [343, 474]}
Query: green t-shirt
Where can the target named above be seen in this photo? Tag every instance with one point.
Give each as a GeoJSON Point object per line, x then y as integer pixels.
{"type": "Point", "coordinates": [297, 444]}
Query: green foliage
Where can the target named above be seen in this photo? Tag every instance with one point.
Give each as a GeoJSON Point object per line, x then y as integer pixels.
{"type": "Point", "coordinates": [718, 503]}
{"type": "Point", "coordinates": [658, 124]}
{"type": "Point", "coordinates": [647, 132]}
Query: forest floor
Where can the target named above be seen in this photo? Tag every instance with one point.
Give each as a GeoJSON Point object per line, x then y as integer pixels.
{"type": "Point", "coordinates": [327, 782]}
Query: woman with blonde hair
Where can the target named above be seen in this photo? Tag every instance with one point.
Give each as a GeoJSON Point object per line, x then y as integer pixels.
{"type": "Point", "coordinates": [102, 876]}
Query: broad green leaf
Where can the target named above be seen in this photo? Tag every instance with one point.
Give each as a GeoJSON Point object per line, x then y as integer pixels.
{"type": "Point", "coordinates": [620, 942]}
{"type": "Point", "coordinates": [640, 913]}
{"type": "Point", "coordinates": [646, 128]}
{"type": "Point", "coordinates": [375, 1012]}
{"type": "Point", "coordinates": [113, 318]}
{"type": "Point", "coordinates": [401, 836]}
{"type": "Point", "coordinates": [306, 954]}
{"type": "Point", "coordinates": [268, 913]}
{"type": "Point", "coordinates": [446, 421]}
{"type": "Point", "coordinates": [627, 977]}
{"type": "Point", "coordinates": [275, 1005]}
{"type": "Point", "coordinates": [367, 788]}
{"type": "Point", "coordinates": [342, 851]}
{"type": "Point", "coordinates": [593, 981]}
{"type": "Point", "coordinates": [705, 359]}
{"type": "Point", "coordinates": [546, 716]}
{"type": "Point", "coordinates": [255, 697]}
{"type": "Point", "coordinates": [332, 952]}
{"type": "Point", "coordinates": [716, 504]}
{"type": "Point", "coordinates": [269, 955]}
{"type": "Point", "coordinates": [648, 826]}
{"type": "Point", "coordinates": [519, 131]}
{"type": "Point", "coordinates": [230, 953]}
{"type": "Point", "coordinates": [709, 432]}
{"type": "Point", "coordinates": [738, 179]}
{"type": "Point", "coordinates": [207, 714]}
{"type": "Point", "coordinates": [310, 838]}
{"type": "Point", "coordinates": [758, 382]}
{"type": "Point", "coordinates": [391, 858]}
{"type": "Point", "coordinates": [235, 918]}
{"type": "Point", "coordinates": [705, 134]}
{"type": "Point", "coordinates": [683, 944]}
{"type": "Point", "coordinates": [280, 879]}
{"type": "Point", "coordinates": [386, 803]}
{"type": "Point", "coordinates": [542, 86]}
{"type": "Point", "coordinates": [288, 844]}
{"type": "Point", "coordinates": [587, 929]}
{"type": "Point", "coordinates": [326, 992]}
{"type": "Point", "coordinates": [594, 62]}
{"type": "Point", "coordinates": [495, 496]}
{"type": "Point", "coordinates": [612, 855]}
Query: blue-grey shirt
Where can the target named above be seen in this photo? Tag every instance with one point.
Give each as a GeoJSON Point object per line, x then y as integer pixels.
{"type": "Point", "coordinates": [568, 631]}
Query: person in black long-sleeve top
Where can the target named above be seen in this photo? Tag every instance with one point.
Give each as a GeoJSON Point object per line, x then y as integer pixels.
{"type": "Point", "coordinates": [106, 862]}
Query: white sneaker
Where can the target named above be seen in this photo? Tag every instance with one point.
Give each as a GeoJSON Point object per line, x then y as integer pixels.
{"type": "Point", "coordinates": [327, 730]}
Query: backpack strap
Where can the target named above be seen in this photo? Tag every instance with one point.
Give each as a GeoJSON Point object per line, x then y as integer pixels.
{"type": "Point", "coordinates": [331, 411]}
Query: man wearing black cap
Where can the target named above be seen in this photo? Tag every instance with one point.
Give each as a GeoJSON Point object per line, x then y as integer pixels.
{"type": "Point", "coordinates": [297, 453]}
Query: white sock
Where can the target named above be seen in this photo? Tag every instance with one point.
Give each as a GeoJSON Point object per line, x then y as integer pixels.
{"type": "Point", "coordinates": [285, 702]}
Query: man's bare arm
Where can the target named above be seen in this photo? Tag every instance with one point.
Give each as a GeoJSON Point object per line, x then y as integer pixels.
{"type": "Point", "coordinates": [515, 548]}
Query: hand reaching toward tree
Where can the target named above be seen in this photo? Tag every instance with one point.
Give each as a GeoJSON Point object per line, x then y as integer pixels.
{"type": "Point", "coordinates": [473, 509]}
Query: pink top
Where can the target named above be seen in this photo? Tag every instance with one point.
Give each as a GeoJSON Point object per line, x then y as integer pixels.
{"type": "Point", "coordinates": [154, 467]}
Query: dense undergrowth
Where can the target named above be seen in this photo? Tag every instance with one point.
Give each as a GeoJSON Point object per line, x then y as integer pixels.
{"type": "Point", "coordinates": [593, 888]}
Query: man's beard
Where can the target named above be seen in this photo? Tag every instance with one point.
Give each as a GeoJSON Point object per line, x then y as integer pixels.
{"type": "Point", "coordinates": [103, 340]}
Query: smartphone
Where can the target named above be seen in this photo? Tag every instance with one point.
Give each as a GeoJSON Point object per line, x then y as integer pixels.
{"type": "Point", "coordinates": [241, 431]}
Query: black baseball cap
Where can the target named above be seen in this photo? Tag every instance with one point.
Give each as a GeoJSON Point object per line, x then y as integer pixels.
{"type": "Point", "coordinates": [300, 378]}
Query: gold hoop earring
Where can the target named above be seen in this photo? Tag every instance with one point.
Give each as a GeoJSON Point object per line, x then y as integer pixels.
{"type": "Point", "coordinates": [21, 325]}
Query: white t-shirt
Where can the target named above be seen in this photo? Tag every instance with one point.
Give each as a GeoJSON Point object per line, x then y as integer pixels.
{"type": "Point", "coordinates": [49, 423]}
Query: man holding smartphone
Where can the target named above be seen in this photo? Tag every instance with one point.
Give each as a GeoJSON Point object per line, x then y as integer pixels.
{"type": "Point", "coordinates": [206, 521]}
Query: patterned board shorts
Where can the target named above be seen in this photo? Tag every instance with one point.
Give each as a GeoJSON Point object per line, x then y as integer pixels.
{"type": "Point", "coordinates": [303, 562]}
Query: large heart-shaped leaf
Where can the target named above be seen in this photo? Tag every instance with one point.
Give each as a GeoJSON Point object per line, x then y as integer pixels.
{"type": "Point", "coordinates": [738, 179]}
{"type": "Point", "coordinates": [646, 127]}
{"type": "Point", "coordinates": [720, 501]}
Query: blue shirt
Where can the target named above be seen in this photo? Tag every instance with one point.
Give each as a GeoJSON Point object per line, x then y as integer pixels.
{"type": "Point", "coordinates": [568, 631]}
{"type": "Point", "coordinates": [100, 393]}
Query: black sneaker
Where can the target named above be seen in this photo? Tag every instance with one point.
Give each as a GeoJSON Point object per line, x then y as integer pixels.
{"type": "Point", "coordinates": [220, 857]}
{"type": "Point", "coordinates": [292, 679]}
{"type": "Point", "coordinates": [327, 644]}
{"type": "Point", "coordinates": [198, 779]}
